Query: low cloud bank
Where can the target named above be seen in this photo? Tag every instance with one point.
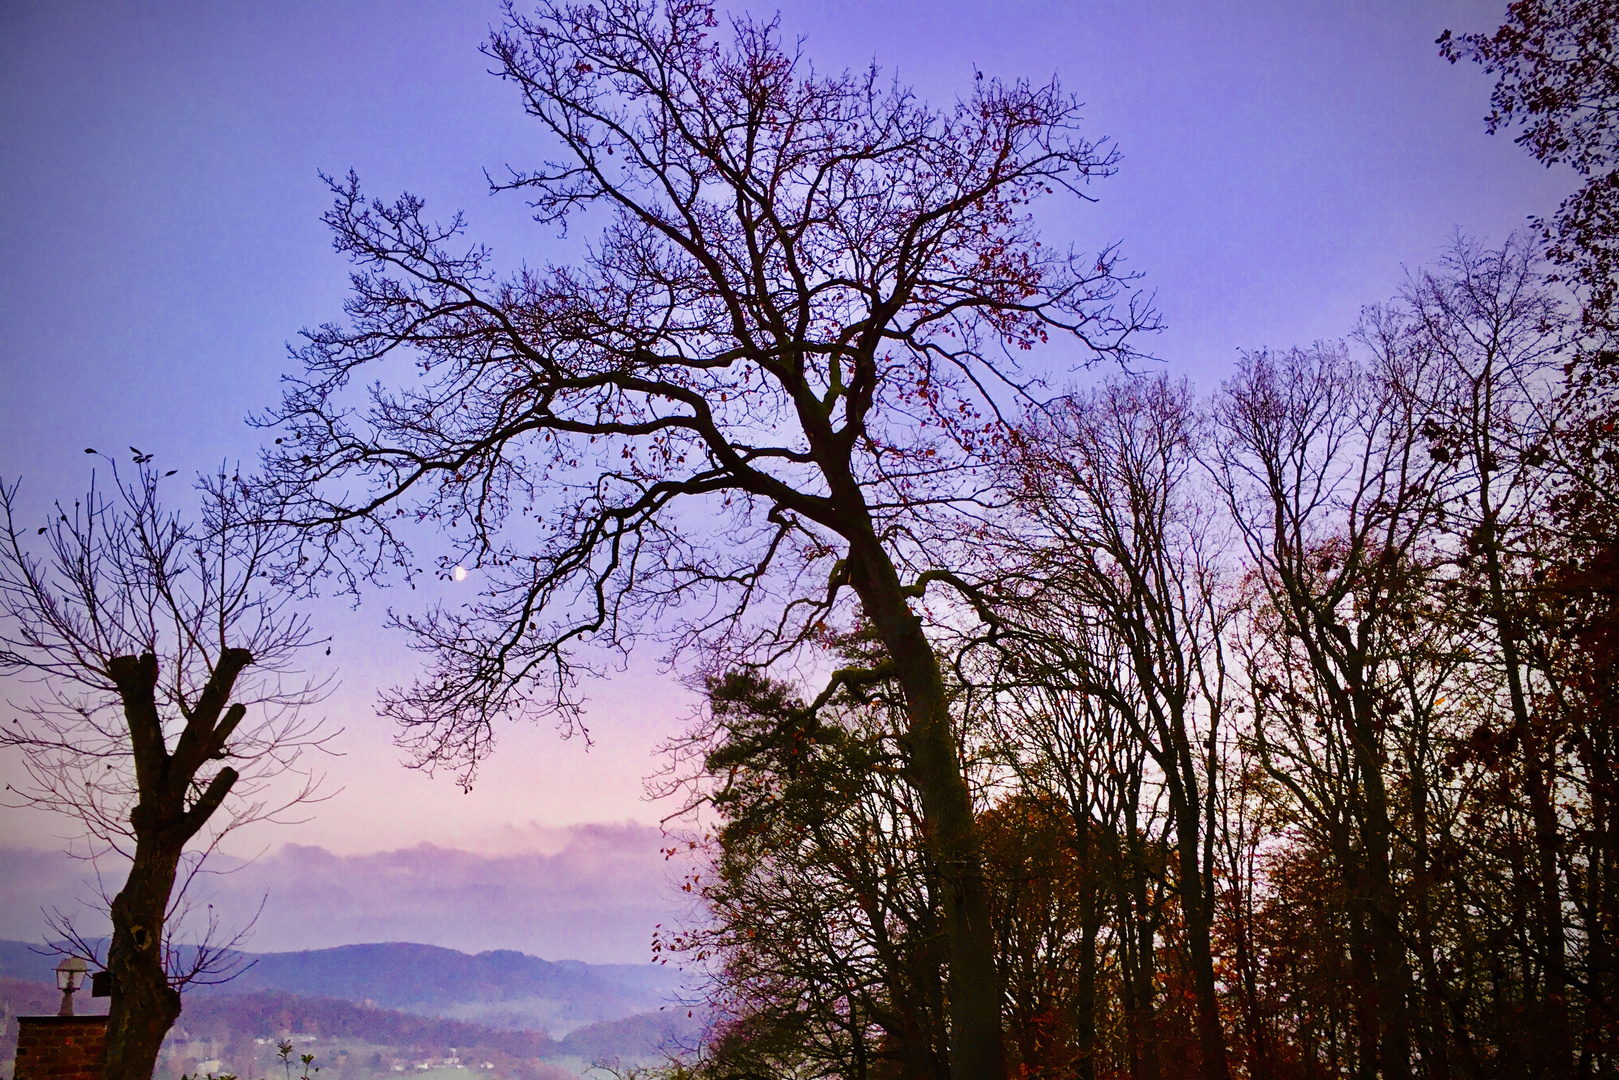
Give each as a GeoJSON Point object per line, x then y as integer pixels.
{"type": "Point", "coordinates": [33, 882]}
{"type": "Point", "coordinates": [593, 894]}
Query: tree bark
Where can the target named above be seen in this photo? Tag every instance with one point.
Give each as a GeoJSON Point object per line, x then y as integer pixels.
{"type": "Point", "coordinates": [1136, 949]}
{"type": "Point", "coordinates": [144, 1005]}
{"type": "Point", "coordinates": [1436, 1049]}
{"type": "Point", "coordinates": [1382, 907]}
{"type": "Point", "coordinates": [977, 1046]}
{"type": "Point", "coordinates": [1090, 926]}
{"type": "Point", "coordinates": [1199, 923]}
{"type": "Point", "coordinates": [1368, 1015]}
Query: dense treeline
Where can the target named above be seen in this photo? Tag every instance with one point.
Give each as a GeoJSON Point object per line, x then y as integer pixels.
{"type": "Point", "coordinates": [1291, 718]}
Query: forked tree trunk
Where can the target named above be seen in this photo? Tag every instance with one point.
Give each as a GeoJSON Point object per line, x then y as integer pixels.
{"type": "Point", "coordinates": [144, 1005]}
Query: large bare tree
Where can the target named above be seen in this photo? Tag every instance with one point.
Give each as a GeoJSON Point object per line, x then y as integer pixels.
{"type": "Point", "coordinates": [1318, 460]}
{"type": "Point", "coordinates": [1500, 337]}
{"type": "Point", "coordinates": [151, 669]}
{"type": "Point", "coordinates": [772, 381]}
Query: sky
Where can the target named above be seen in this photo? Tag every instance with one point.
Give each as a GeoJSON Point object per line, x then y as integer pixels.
{"type": "Point", "coordinates": [1283, 164]}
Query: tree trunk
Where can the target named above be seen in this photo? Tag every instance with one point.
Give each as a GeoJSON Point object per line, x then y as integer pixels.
{"type": "Point", "coordinates": [977, 1047]}
{"type": "Point", "coordinates": [1603, 894]}
{"type": "Point", "coordinates": [144, 1006]}
{"type": "Point", "coordinates": [1140, 969]}
{"type": "Point", "coordinates": [1382, 908]}
{"type": "Point", "coordinates": [1368, 1018]}
{"type": "Point", "coordinates": [1436, 1049]}
{"type": "Point", "coordinates": [1199, 923]}
{"type": "Point", "coordinates": [1090, 926]}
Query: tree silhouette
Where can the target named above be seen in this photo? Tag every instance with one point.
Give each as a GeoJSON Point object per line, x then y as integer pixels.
{"type": "Point", "coordinates": [161, 653]}
{"type": "Point", "coordinates": [772, 381]}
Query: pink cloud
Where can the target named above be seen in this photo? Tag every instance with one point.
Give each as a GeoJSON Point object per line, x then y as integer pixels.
{"type": "Point", "coordinates": [591, 892]}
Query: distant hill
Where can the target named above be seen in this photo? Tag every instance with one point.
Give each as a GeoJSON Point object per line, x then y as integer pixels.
{"type": "Point", "coordinates": [20, 960]}
{"type": "Point", "coordinates": [504, 989]}
{"type": "Point", "coordinates": [649, 1036]}
{"type": "Point", "coordinates": [274, 1012]}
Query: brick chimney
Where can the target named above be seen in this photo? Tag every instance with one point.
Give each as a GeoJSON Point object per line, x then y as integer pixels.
{"type": "Point", "coordinates": [60, 1047]}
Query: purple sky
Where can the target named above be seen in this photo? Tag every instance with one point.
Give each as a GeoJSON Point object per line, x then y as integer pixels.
{"type": "Point", "coordinates": [1282, 164]}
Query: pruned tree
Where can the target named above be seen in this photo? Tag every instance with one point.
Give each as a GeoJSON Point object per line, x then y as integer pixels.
{"type": "Point", "coordinates": [152, 664]}
{"type": "Point", "coordinates": [762, 399]}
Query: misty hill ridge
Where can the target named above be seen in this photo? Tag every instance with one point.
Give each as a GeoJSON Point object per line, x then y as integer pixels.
{"type": "Point", "coordinates": [504, 988]}
{"type": "Point", "coordinates": [644, 1035]}
{"type": "Point", "coordinates": [427, 978]}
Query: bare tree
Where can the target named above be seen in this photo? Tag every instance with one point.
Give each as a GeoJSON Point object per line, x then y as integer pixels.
{"type": "Point", "coordinates": [772, 382]}
{"type": "Point", "coordinates": [1112, 525]}
{"type": "Point", "coordinates": [1499, 336]}
{"type": "Point", "coordinates": [161, 703]}
{"type": "Point", "coordinates": [1320, 461]}
{"type": "Point", "coordinates": [1069, 746]}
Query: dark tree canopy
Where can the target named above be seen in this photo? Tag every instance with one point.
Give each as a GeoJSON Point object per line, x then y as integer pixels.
{"type": "Point", "coordinates": [1295, 749]}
